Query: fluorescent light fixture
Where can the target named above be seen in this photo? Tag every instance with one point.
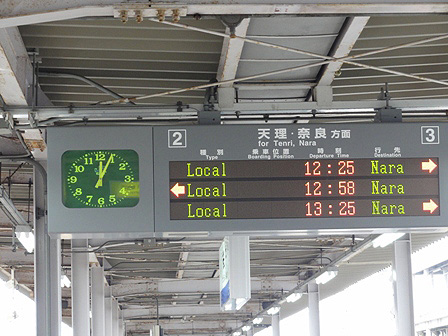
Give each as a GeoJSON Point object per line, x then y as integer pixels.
{"type": "Point", "coordinates": [273, 310]}
{"type": "Point", "coordinates": [293, 297]}
{"type": "Point", "coordinates": [228, 306]}
{"type": "Point", "coordinates": [26, 239]}
{"type": "Point", "coordinates": [246, 328]}
{"type": "Point", "coordinates": [237, 333]}
{"type": "Point", "coordinates": [65, 281]}
{"type": "Point", "coordinates": [240, 302]}
{"type": "Point", "coordinates": [329, 274]}
{"type": "Point", "coordinates": [258, 320]}
{"type": "Point", "coordinates": [386, 239]}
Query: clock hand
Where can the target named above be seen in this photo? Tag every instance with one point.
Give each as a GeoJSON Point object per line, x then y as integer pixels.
{"type": "Point", "coordinates": [99, 183]}
{"type": "Point", "coordinates": [103, 172]}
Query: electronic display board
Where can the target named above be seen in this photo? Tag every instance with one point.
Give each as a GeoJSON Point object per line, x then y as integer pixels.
{"type": "Point", "coordinates": [299, 177]}
{"type": "Point", "coordinates": [121, 182]}
{"type": "Point", "coordinates": [303, 188]}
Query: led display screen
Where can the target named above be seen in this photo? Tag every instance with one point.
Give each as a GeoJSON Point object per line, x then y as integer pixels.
{"type": "Point", "coordinates": [265, 189]}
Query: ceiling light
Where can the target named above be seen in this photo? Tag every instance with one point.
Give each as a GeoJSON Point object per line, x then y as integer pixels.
{"type": "Point", "coordinates": [237, 333]}
{"type": "Point", "coordinates": [273, 310]}
{"type": "Point", "coordinates": [65, 281]}
{"type": "Point", "coordinates": [246, 328]}
{"type": "Point", "coordinates": [258, 320]}
{"type": "Point", "coordinates": [26, 239]}
{"type": "Point", "coordinates": [228, 306]}
{"type": "Point", "coordinates": [386, 239]}
{"type": "Point", "coordinates": [240, 302]}
{"type": "Point", "coordinates": [293, 297]}
{"type": "Point", "coordinates": [329, 274]}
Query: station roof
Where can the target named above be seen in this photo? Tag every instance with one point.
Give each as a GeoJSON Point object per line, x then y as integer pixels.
{"type": "Point", "coordinates": [139, 59]}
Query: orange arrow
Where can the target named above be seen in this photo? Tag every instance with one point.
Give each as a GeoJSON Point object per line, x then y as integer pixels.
{"type": "Point", "coordinates": [429, 165]}
{"type": "Point", "coordinates": [430, 206]}
{"type": "Point", "coordinates": [178, 190]}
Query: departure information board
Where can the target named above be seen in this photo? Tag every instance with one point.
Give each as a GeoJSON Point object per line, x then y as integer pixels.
{"type": "Point", "coordinates": [304, 188]}
{"type": "Point", "coordinates": [298, 177]}
{"type": "Point", "coordinates": [267, 179]}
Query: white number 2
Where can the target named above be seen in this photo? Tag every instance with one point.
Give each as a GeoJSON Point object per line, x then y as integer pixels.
{"type": "Point", "coordinates": [177, 141]}
{"type": "Point", "coordinates": [177, 138]}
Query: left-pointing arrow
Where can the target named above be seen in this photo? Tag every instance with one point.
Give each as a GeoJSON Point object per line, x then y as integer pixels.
{"type": "Point", "coordinates": [178, 190]}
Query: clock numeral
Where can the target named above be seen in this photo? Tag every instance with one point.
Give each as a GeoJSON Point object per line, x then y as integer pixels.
{"type": "Point", "coordinates": [78, 191]}
{"type": "Point", "coordinates": [73, 179]}
{"type": "Point", "coordinates": [89, 198]}
{"type": "Point", "coordinates": [101, 200]}
{"type": "Point", "coordinates": [112, 198]}
{"type": "Point", "coordinates": [127, 178]}
{"type": "Point", "coordinates": [79, 169]}
{"type": "Point", "coordinates": [88, 161]}
{"type": "Point", "coordinates": [122, 166]}
{"type": "Point", "coordinates": [100, 157]}
{"type": "Point", "coordinates": [123, 191]}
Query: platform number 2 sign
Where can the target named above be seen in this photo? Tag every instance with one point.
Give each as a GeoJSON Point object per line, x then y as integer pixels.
{"type": "Point", "coordinates": [177, 138]}
{"type": "Point", "coordinates": [430, 135]}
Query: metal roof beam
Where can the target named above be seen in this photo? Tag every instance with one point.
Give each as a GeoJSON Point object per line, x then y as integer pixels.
{"type": "Point", "coordinates": [349, 34]}
{"type": "Point", "coordinates": [231, 53]}
{"type": "Point", "coordinates": [17, 72]}
{"type": "Point", "coordinates": [178, 324]}
{"type": "Point", "coordinates": [199, 286]}
{"type": "Point", "coordinates": [247, 109]}
{"type": "Point", "coordinates": [13, 13]}
{"type": "Point", "coordinates": [189, 310]}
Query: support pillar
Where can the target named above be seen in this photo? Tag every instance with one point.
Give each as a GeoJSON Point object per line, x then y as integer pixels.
{"type": "Point", "coordinates": [55, 287]}
{"type": "Point", "coordinates": [98, 302]}
{"type": "Point", "coordinates": [250, 332]}
{"type": "Point", "coordinates": [313, 307]}
{"type": "Point", "coordinates": [80, 289]}
{"type": "Point", "coordinates": [42, 278]}
{"type": "Point", "coordinates": [47, 264]}
{"type": "Point", "coordinates": [120, 324]}
{"type": "Point", "coordinates": [115, 318]}
{"type": "Point", "coordinates": [108, 312]}
{"type": "Point", "coordinates": [276, 324]}
{"type": "Point", "coordinates": [402, 275]}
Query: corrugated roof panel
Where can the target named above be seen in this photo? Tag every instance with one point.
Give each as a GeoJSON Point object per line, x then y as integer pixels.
{"type": "Point", "coordinates": [131, 59]}
{"type": "Point", "coordinates": [428, 60]}
{"type": "Point", "coordinates": [295, 32]}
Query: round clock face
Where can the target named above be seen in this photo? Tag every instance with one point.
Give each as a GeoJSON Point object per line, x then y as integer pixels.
{"type": "Point", "coordinates": [100, 178]}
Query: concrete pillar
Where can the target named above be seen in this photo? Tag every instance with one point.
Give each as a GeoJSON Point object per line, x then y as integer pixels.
{"type": "Point", "coordinates": [108, 312]}
{"type": "Point", "coordinates": [80, 289]}
{"type": "Point", "coordinates": [41, 259]}
{"type": "Point", "coordinates": [276, 324]}
{"type": "Point", "coordinates": [47, 265]}
{"type": "Point", "coordinates": [120, 324]}
{"type": "Point", "coordinates": [313, 307]}
{"type": "Point", "coordinates": [55, 287]}
{"type": "Point", "coordinates": [115, 318]}
{"type": "Point", "coordinates": [98, 302]}
{"type": "Point", "coordinates": [402, 275]}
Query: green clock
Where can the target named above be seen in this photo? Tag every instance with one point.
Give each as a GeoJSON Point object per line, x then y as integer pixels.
{"type": "Point", "coordinates": [100, 178]}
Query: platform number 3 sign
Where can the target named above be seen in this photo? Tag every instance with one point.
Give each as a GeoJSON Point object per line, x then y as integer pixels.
{"type": "Point", "coordinates": [177, 138]}
{"type": "Point", "coordinates": [430, 135]}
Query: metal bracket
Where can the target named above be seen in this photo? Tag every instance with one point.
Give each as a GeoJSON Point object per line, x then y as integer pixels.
{"type": "Point", "coordinates": [40, 213]}
{"type": "Point", "coordinates": [232, 21]}
{"type": "Point", "coordinates": [387, 114]}
{"type": "Point", "coordinates": [212, 117]}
